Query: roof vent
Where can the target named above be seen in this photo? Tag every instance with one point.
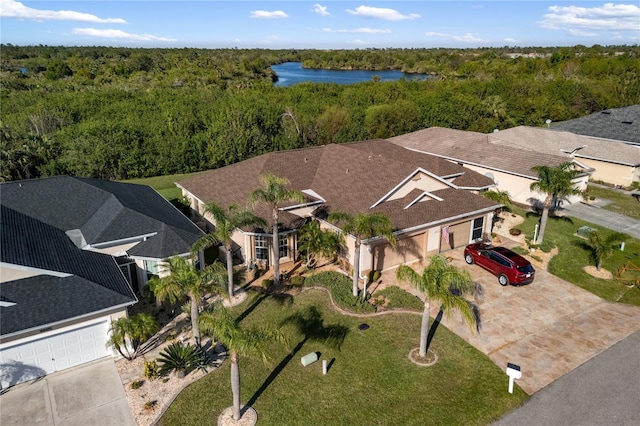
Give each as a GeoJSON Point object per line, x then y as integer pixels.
{"type": "Point", "coordinates": [305, 159]}
{"type": "Point", "coordinates": [347, 171]}
{"type": "Point", "coordinates": [627, 122]}
{"type": "Point", "coordinates": [606, 112]}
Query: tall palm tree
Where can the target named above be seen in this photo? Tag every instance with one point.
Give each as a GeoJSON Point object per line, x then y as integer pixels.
{"type": "Point", "coordinates": [274, 193]}
{"type": "Point", "coordinates": [363, 227]}
{"type": "Point", "coordinates": [131, 331]}
{"type": "Point", "coordinates": [239, 342]}
{"type": "Point", "coordinates": [555, 182]}
{"type": "Point", "coordinates": [226, 222]}
{"type": "Point", "coordinates": [187, 280]}
{"type": "Point", "coordinates": [443, 283]}
{"type": "Point", "coordinates": [314, 241]}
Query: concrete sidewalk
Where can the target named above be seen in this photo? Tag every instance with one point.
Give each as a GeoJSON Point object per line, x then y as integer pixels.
{"type": "Point", "coordinates": [548, 328]}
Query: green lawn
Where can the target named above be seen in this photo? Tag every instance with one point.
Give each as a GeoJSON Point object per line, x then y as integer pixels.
{"type": "Point", "coordinates": [573, 256]}
{"type": "Point", "coordinates": [371, 380]}
{"type": "Point", "coordinates": [164, 184]}
{"type": "Point", "coordinates": [620, 203]}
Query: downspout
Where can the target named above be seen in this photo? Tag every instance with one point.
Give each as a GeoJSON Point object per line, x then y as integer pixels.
{"type": "Point", "coordinates": [363, 278]}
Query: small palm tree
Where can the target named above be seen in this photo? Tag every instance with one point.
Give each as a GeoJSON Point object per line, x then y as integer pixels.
{"type": "Point", "coordinates": [128, 333]}
{"type": "Point", "coordinates": [185, 280]}
{"type": "Point", "coordinates": [556, 183]}
{"type": "Point", "coordinates": [239, 342]}
{"type": "Point", "coordinates": [273, 194]}
{"type": "Point", "coordinates": [314, 241]}
{"type": "Point", "coordinates": [602, 247]}
{"type": "Point", "coordinates": [363, 226]}
{"type": "Point", "coordinates": [226, 223]}
{"type": "Point", "coordinates": [443, 283]}
{"type": "Point", "coordinates": [181, 358]}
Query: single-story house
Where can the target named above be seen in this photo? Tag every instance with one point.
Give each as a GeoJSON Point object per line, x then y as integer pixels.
{"type": "Point", "coordinates": [615, 124]}
{"type": "Point", "coordinates": [508, 166]}
{"type": "Point", "coordinates": [613, 162]}
{"type": "Point", "coordinates": [425, 197]}
{"type": "Point", "coordinates": [73, 253]}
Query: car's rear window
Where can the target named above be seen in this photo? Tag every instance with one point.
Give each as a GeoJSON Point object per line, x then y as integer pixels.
{"type": "Point", "coordinates": [525, 268]}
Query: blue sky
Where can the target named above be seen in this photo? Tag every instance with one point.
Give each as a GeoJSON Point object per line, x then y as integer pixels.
{"type": "Point", "coordinates": [321, 24]}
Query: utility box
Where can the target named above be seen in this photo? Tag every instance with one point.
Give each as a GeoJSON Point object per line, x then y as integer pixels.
{"type": "Point", "coordinates": [309, 358]}
{"type": "Point", "coordinates": [585, 232]}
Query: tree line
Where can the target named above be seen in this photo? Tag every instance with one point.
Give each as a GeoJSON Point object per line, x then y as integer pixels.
{"type": "Point", "coordinates": [119, 113]}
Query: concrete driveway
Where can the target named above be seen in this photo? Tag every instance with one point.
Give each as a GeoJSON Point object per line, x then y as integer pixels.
{"type": "Point", "coordinates": [91, 394]}
{"type": "Point", "coordinates": [548, 328]}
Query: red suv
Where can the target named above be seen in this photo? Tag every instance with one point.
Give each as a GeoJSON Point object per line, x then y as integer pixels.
{"type": "Point", "coordinates": [509, 267]}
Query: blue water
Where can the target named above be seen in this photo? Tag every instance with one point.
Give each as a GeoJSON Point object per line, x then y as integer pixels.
{"type": "Point", "coordinates": [290, 73]}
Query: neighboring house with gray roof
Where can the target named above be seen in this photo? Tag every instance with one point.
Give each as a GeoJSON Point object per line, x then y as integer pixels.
{"type": "Point", "coordinates": [509, 167]}
{"type": "Point", "coordinates": [72, 252]}
{"type": "Point", "coordinates": [421, 194]}
{"type": "Point", "coordinates": [615, 124]}
{"type": "Point", "coordinates": [613, 162]}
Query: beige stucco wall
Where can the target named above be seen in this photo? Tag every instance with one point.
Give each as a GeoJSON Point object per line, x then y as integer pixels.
{"type": "Point", "coordinates": [615, 174]}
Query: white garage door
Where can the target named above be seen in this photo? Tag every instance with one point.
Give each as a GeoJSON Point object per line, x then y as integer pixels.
{"type": "Point", "coordinates": [59, 351]}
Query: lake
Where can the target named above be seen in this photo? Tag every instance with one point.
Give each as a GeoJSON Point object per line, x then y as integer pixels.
{"type": "Point", "coordinates": [290, 73]}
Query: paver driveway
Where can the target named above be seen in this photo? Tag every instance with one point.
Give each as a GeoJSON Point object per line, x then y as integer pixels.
{"type": "Point", "coordinates": [548, 328]}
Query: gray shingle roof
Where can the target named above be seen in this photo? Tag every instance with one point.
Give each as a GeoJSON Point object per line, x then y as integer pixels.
{"type": "Point", "coordinates": [620, 124]}
{"type": "Point", "coordinates": [103, 211]}
{"type": "Point", "coordinates": [95, 281]}
{"type": "Point", "coordinates": [475, 148]}
{"type": "Point", "coordinates": [350, 177]}
{"type": "Point", "coordinates": [562, 143]}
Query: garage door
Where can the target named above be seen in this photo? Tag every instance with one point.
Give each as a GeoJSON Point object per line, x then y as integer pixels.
{"type": "Point", "coordinates": [58, 351]}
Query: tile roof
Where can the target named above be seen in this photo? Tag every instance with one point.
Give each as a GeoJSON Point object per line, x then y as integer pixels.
{"type": "Point", "coordinates": [474, 148]}
{"type": "Point", "coordinates": [94, 283]}
{"type": "Point", "coordinates": [619, 124]}
{"type": "Point", "coordinates": [556, 142]}
{"type": "Point", "coordinates": [350, 177]}
{"type": "Point", "coordinates": [104, 211]}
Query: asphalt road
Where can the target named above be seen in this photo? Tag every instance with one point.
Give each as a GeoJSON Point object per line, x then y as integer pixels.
{"type": "Point", "coordinates": [612, 220]}
{"type": "Point", "coordinates": [603, 391]}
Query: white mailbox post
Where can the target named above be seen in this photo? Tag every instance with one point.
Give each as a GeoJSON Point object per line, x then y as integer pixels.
{"type": "Point", "coordinates": [513, 371]}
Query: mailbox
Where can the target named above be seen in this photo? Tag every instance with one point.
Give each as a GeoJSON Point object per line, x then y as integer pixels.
{"type": "Point", "coordinates": [513, 371]}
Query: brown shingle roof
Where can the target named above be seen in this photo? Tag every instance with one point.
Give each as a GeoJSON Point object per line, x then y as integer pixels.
{"type": "Point", "coordinates": [475, 148]}
{"type": "Point", "coordinates": [350, 177]}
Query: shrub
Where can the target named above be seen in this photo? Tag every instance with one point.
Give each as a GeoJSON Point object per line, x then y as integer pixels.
{"type": "Point", "coordinates": [181, 359]}
{"type": "Point", "coordinates": [151, 370]}
{"type": "Point", "coordinates": [374, 276]}
{"type": "Point", "coordinates": [520, 250]}
{"type": "Point", "coordinates": [399, 298]}
{"type": "Point", "coordinates": [537, 258]}
{"type": "Point", "coordinates": [547, 245]}
{"type": "Point", "coordinates": [515, 231]}
{"type": "Point", "coordinates": [266, 284]}
{"type": "Point", "coordinates": [340, 287]}
{"type": "Point", "coordinates": [297, 280]}
{"type": "Point", "coordinates": [150, 405]}
{"type": "Point", "coordinates": [136, 384]}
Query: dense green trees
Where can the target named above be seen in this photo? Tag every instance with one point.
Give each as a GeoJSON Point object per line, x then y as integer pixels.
{"type": "Point", "coordinates": [121, 113]}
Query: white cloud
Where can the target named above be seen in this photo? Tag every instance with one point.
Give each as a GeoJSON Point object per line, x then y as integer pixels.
{"type": "Point", "coordinates": [118, 34]}
{"type": "Point", "coordinates": [469, 38]}
{"type": "Point", "coordinates": [510, 40]}
{"type": "Point", "coordinates": [381, 13]}
{"type": "Point", "coordinates": [582, 33]}
{"type": "Point", "coordinates": [435, 34]}
{"type": "Point", "coordinates": [357, 30]}
{"type": "Point", "coordinates": [265, 14]}
{"type": "Point", "coordinates": [14, 9]}
{"type": "Point", "coordinates": [320, 10]}
{"type": "Point", "coordinates": [609, 16]}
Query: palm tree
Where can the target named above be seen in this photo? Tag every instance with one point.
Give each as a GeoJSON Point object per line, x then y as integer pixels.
{"type": "Point", "coordinates": [363, 227]}
{"type": "Point", "coordinates": [556, 183]}
{"type": "Point", "coordinates": [274, 194]}
{"type": "Point", "coordinates": [187, 280]}
{"type": "Point", "coordinates": [443, 283]}
{"type": "Point", "coordinates": [226, 222]}
{"type": "Point", "coordinates": [602, 246]}
{"type": "Point", "coordinates": [314, 241]}
{"type": "Point", "coordinates": [239, 342]}
{"type": "Point", "coordinates": [131, 330]}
